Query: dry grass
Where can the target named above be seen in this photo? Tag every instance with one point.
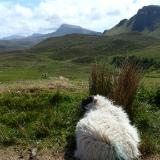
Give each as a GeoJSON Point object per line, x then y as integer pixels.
{"type": "Point", "coordinates": [100, 81]}
{"type": "Point", "coordinates": [126, 86]}
{"type": "Point", "coordinates": [121, 87]}
{"type": "Point", "coordinates": [45, 84]}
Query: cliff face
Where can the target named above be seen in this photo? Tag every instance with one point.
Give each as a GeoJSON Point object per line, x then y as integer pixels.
{"type": "Point", "coordinates": [147, 21]}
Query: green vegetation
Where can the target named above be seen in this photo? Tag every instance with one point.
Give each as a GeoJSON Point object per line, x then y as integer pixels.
{"type": "Point", "coordinates": [32, 112]}
{"type": "Point", "coordinates": [145, 63]}
{"type": "Point", "coordinates": [73, 46]}
{"type": "Point", "coordinates": [43, 117]}
{"type": "Point", "coordinates": [41, 87]}
{"type": "Point", "coordinates": [47, 119]}
{"type": "Point", "coordinates": [120, 86]}
{"type": "Point", "coordinates": [10, 45]}
{"type": "Point", "coordinates": [142, 105]}
{"type": "Point", "coordinates": [71, 56]}
{"type": "Point", "coordinates": [146, 21]}
{"type": "Point", "coordinates": [147, 119]}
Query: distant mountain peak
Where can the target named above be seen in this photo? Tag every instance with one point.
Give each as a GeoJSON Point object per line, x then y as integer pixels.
{"type": "Point", "coordinates": [15, 36]}
{"type": "Point", "coordinates": [147, 20]}
{"type": "Point", "coordinates": [66, 29]}
{"type": "Point", "coordinates": [65, 25]}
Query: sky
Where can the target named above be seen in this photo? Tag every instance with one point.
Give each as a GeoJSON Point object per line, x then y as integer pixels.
{"type": "Point", "coordinates": [26, 17]}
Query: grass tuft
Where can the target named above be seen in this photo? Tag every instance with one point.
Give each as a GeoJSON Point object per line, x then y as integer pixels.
{"type": "Point", "coordinates": [121, 87]}
{"type": "Point", "coordinates": [126, 87]}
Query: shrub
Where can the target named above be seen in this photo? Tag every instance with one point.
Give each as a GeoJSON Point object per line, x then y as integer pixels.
{"type": "Point", "coordinates": [56, 97]}
{"type": "Point", "coordinates": [147, 145]}
{"type": "Point", "coordinates": [157, 98]}
{"type": "Point", "coordinates": [142, 116]}
{"type": "Point", "coordinates": [150, 96]}
{"type": "Point", "coordinates": [44, 76]}
{"type": "Point", "coordinates": [145, 63]}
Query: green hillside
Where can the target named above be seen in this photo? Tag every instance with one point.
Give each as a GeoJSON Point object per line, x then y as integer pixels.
{"type": "Point", "coordinates": [42, 111]}
{"type": "Point", "coordinates": [72, 46]}
{"type": "Point", "coordinates": [71, 56]}
{"type": "Point", "coordinates": [11, 45]}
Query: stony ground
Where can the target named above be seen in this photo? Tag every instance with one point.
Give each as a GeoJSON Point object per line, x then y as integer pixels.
{"type": "Point", "coordinates": [33, 154]}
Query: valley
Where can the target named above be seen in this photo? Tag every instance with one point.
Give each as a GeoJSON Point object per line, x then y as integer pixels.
{"type": "Point", "coordinates": [44, 77]}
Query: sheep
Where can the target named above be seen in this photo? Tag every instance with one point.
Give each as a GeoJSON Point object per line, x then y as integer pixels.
{"type": "Point", "coordinates": [105, 132]}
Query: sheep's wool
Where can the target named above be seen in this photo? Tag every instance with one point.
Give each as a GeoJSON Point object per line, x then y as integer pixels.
{"type": "Point", "coordinates": [105, 133]}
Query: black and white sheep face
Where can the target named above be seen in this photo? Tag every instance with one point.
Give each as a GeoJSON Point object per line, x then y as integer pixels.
{"type": "Point", "coordinates": [89, 103]}
{"type": "Point", "coordinates": [95, 102]}
{"type": "Point", "coordinates": [86, 103]}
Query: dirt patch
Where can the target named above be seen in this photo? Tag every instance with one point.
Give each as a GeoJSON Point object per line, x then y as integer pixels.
{"type": "Point", "coordinates": [153, 157]}
{"type": "Point", "coordinates": [25, 154]}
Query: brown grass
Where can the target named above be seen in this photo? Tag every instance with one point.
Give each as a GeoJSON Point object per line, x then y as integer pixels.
{"type": "Point", "coordinates": [126, 86]}
{"type": "Point", "coordinates": [100, 81]}
{"type": "Point", "coordinates": [121, 87]}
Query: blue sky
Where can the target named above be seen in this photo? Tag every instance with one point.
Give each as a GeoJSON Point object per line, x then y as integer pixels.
{"type": "Point", "coordinates": [25, 17]}
{"type": "Point", "coordinates": [30, 3]}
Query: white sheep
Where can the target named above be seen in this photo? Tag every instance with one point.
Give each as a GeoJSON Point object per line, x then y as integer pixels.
{"type": "Point", "coordinates": [105, 132]}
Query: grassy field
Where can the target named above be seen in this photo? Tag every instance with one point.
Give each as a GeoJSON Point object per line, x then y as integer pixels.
{"type": "Point", "coordinates": [33, 112]}
{"type": "Point", "coordinates": [45, 117]}
{"type": "Point", "coordinates": [71, 56]}
{"type": "Point", "coordinates": [35, 115]}
{"type": "Point", "coordinates": [41, 119]}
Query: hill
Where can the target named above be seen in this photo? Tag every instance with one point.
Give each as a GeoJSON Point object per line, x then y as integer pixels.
{"type": "Point", "coordinates": [71, 55]}
{"type": "Point", "coordinates": [17, 44]}
{"type": "Point", "coordinates": [71, 46]}
{"type": "Point", "coordinates": [13, 37]}
{"type": "Point", "coordinates": [147, 21]}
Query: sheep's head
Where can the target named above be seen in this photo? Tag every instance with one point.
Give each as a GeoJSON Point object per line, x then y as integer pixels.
{"type": "Point", "coordinates": [93, 102]}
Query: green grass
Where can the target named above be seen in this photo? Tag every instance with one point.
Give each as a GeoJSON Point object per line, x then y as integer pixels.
{"type": "Point", "coordinates": [72, 56]}
{"type": "Point", "coordinates": [27, 66]}
{"type": "Point", "coordinates": [30, 114]}
{"type": "Point", "coordinates": [149, 52]}
{"type": "Point", "coordinates": [48, 118]}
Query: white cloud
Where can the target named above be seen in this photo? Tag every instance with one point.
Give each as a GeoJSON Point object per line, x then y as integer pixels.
{"type": "Point", "coordinates": [23, 11]}
{"type": "Point", "coordinates": [47, 15]}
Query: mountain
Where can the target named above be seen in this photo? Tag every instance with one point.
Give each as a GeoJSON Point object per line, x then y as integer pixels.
{"type": "Point", "coordinates": [66, 29]}
{"type": "Point", "coordinates": [13, 37]}
{"type": "Point", "coordinates": [147, 21]}
{"type": "Point", "coordinates": [17, 42]}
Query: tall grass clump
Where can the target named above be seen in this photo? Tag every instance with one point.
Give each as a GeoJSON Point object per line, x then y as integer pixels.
{"type": "Point", "coordinates": [100, 81]}
{"type": "Point", "coordinates": [141, 105]}
{"type": "Point", "coordinates": [121, 86]}
{"type": "Point", "coordinates": [126, 87]}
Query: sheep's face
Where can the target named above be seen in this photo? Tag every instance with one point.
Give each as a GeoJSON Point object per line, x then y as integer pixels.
{"type": "Point", "coordinates": [87, 103]}
{"type": "Point", "coordinates": [93, 102]}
